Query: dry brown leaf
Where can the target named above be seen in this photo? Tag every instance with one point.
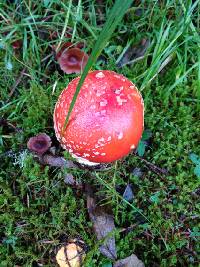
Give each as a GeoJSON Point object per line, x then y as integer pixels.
{"type": "Point", "coordinates": [55, 161]}
{"type": "Point", "coordinates": [134, 53]}
{"type": "Point", "coordinates": [103, 224]}
{"type": "Point", "coordinates": [131, 261]}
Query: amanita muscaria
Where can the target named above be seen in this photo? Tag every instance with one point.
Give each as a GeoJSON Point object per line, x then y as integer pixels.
{"type": "Point", "coordinates": [107, 120]}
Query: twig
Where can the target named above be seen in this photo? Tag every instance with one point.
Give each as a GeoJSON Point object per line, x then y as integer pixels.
{"type": "Point", "coordinates": [54, 161]}
{"type": "Point", "coordinates": [4, 122]}
{"type": "Point", "coordinates": [157, 170]}
{"type": "Point", "coordinates": [47, 57]}
{"type": "Point", "coordinates": [129, 228]}
{"type": "Point", "coordinates": [17, 82]}
{"type": "Point", "coordinates": [132, 61]}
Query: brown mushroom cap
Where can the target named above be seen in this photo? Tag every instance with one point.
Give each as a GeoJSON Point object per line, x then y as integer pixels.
{"type": "Point", "coordinates": [107, 120]}
{"type": "Point", "coordinates": [72, 60]}
{"type": "Point", "coordinates": [39, 143]}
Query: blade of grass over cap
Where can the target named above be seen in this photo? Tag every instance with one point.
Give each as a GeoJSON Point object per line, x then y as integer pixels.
{"type": "Point", "coordinates": [115, 15]}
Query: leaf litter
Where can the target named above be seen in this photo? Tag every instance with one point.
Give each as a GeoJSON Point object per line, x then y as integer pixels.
{"type": "Point", "coordinates": [103, 225]}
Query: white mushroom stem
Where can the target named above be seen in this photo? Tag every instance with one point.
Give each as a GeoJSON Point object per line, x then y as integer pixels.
{"type": "Point", "coordinates": [84, 161]}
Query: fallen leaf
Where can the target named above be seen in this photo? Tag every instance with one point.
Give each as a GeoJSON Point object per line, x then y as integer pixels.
{"type": "Point", "coordinates": [103, 224]}
{"type": "Point", "coordinates": [134, 53]}
{"type": "Point", "coordinates": [131, 261]}
{"type": "Point", "coordinates": [64, 46]}
{"type": "Point", "coordinates": [71, 255]}
{"type": "Point", "coordinates": [69, 179]}
{"type": "Point", "coordinates": [144, 142]}
{"type": "Point", "coordinates": [137, 172]}
{"type": "Point", "coordinates": [128, 193]}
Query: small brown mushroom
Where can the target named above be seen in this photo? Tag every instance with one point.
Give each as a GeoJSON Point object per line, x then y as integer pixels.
{"type": "Point", "coordinates": [17, 44]}
{"type": "Point", "coordinates": [72, 60]}
{"type": "Point", "coordinates": [39, 143]}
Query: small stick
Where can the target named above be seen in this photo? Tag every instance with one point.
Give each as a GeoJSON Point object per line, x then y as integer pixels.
{"type": "Point", "coordinates": [4, 122]}
{"type": "Point", "coordinates": [157, 170]}
{"type": "Point", "coordinates": [48, 159]}
{"type": "Point", "coordinates": [17, 82]}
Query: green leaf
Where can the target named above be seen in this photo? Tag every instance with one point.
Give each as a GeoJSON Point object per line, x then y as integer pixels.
{"type": "Point", "coordinates": [194, 158]}
{"type": "Point", "coordinates": [146, 135]}
{"type": "Point", "coordinates": [46, 3]}
{"type": "Point", "coordinates": [195, 232]}
{"type": "Point", "coordinates": [116, 14]}
{"type": "Point", "coordinates": [155, 197]}
{"type": "Point", "coordinates": [141, 148]}
{"type": "Point", "coordinates": [108, 264]}
{"type": "Point", "coordinates": [197, 170]}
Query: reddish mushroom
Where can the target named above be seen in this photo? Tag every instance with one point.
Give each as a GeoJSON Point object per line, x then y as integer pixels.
{"type": "Point", "coordinates": [39, 143]}
{"type": "Point", "coordinates": [71, 59]}
{"type": "Point", "coordinates": [17, 44]}
{"type": "Point", "coordinates": [107, 120]}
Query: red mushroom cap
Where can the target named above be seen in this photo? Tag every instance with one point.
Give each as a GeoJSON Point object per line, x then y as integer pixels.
{"type": "Point", "coordinates": [107, 120]}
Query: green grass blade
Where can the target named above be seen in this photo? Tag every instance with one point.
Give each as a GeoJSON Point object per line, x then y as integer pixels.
{"type": "Point", "coordinates": [65, 25]}
{"type": "Point", "coordinates": [182, 77]}
{"type": "Point", "coordinates": [115, 15]}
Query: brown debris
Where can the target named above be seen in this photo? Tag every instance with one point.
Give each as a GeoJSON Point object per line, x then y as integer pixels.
{"type": "Point", "coordinates": [131, 261]}
{"type": "Point", "coordinates": [17, 82]}
{"type": "Point", "coordinates": [134, 53]}
{"type": "Point", "coordinates": [103, 224]}
{"type": "Point", "coordinates": [56, 161]}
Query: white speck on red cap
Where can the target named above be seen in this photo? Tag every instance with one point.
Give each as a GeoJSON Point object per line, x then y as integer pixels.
{"type": "Point", "coordinates": [101, 140]}
{"type": "Point", "coordinates": [120, 135]}
{"type": "Point", "coordinates": [100, 75]}
{"type": "Point", "coordinates": [103, 103]}
{"type": "Point", "coordinates": [120, 100]}
{"type": "Point", "coordinates": [133, 146]}
{"type": "Point", "coordinates": [103, 112]}
{"type": "Point", "coordinates": [109, 138]}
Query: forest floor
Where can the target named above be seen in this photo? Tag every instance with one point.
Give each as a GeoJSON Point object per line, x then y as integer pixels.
{"type": "Point", "coordinates": [156, 46]}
